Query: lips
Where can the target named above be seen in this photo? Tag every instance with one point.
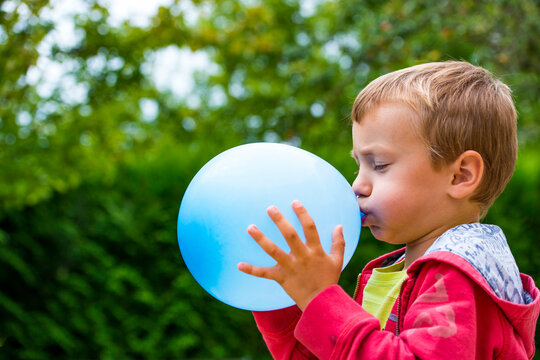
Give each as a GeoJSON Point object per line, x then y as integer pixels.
{"type": "Point", "coordinates": [363, 217]}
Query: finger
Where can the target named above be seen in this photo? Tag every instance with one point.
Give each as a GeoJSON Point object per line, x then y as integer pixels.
{"type": "Point", "coordinates": [287, 230]}
{"type": "Point", "coordinates": [259, 271]}
{"type": "Point", "coordinates": [268, 245]}
{"type": "Point", "coordinates": [337, 250]}
{"type": "Point", "coordinates": [308, 225]}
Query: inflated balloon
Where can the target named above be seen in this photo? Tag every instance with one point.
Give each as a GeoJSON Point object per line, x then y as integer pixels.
{"type": "Point", "coordinates": [232, 191]}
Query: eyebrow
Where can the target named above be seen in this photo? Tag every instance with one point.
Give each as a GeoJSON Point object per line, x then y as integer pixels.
{"type": "Point", "coordinates": [364, 153]}
{"type": "Point", "coordinates": [369, 152]}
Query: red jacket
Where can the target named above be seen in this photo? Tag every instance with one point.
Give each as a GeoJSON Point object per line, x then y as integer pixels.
{"type": "Point", "coordinates": [446, 310]}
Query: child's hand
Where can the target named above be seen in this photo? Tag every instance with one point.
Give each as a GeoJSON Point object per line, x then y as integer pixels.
{"type": "Point", "coordinates": [307, 269]}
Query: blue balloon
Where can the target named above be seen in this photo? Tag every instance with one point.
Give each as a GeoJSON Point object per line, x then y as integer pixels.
{"type": "Point", "coordinates": [232, 191]}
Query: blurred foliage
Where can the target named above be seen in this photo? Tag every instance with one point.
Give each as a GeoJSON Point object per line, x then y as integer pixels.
{"type": "Point", "coordinates": [90, 186]}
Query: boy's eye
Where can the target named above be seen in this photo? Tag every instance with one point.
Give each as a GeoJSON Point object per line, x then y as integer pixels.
{"type": "Point", "coordinates": [379, 167]}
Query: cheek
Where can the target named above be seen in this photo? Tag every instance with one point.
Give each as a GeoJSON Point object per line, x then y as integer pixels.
{"type": "Point", "coordinates": [400, 199]}
{"type": "Point", "coordinates": [392, 198]}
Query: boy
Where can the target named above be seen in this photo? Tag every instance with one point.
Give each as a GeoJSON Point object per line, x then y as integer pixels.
{"type": "Point", "coordinates": [435, 145]}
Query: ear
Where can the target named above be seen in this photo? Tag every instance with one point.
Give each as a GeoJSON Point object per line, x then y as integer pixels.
{"type": "Point", "coordinates": [467, 171]}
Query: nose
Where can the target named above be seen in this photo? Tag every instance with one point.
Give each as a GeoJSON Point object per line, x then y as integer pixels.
{"type": "Point", "coordinates": [361, 186]}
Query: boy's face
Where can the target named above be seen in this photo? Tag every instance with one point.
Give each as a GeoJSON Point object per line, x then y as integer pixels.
{"type": "Point", "coordinates": [403, 196]}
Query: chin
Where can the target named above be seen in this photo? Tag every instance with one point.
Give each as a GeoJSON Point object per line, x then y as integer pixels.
{"type": "Point", "coordinates": [377, 232]}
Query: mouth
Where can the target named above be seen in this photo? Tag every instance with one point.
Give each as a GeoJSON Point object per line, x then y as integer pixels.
{"type": "Point", "coordinates": [363, 217]}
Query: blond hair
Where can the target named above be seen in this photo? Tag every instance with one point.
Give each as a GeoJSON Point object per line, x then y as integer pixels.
{"type": "Point", "coordinates": [461, 107]}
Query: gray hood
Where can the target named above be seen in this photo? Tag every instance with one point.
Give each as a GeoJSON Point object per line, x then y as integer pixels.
{"type": "Point", "coordinates": [486, 249]}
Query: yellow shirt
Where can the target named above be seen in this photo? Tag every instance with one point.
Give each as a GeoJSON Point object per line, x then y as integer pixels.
{"type": "Point", "coordinates": [382, 291]}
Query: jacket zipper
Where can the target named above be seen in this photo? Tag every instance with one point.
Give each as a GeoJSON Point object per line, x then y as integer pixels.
{"type": "Point", "coordinates": [398, 314]}
{"type": "Point", "coordinates": [358, 281]}
{"type": "Point", "coordinates": [399, 308]}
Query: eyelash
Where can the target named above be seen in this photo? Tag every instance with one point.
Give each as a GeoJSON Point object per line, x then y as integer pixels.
{"type": "Point", "coordinates": [379, 167]}
{"type": "Point", "coordinates": [375, 167]}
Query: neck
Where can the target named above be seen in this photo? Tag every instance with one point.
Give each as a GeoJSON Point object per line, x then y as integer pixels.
{"type": "Point", "coordinates": [418, 248]}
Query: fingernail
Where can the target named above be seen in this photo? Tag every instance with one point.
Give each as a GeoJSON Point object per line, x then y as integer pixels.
{"type": "Point", "coordinates": [272, 210]}
{"type": "Point", "coordinates": [251, 228]}
{"type": "Point", "coordinates": [296, 204]}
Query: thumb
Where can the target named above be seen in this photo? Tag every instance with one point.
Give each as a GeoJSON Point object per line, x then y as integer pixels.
{"type": "Point", "coordinates": [337, 249]}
